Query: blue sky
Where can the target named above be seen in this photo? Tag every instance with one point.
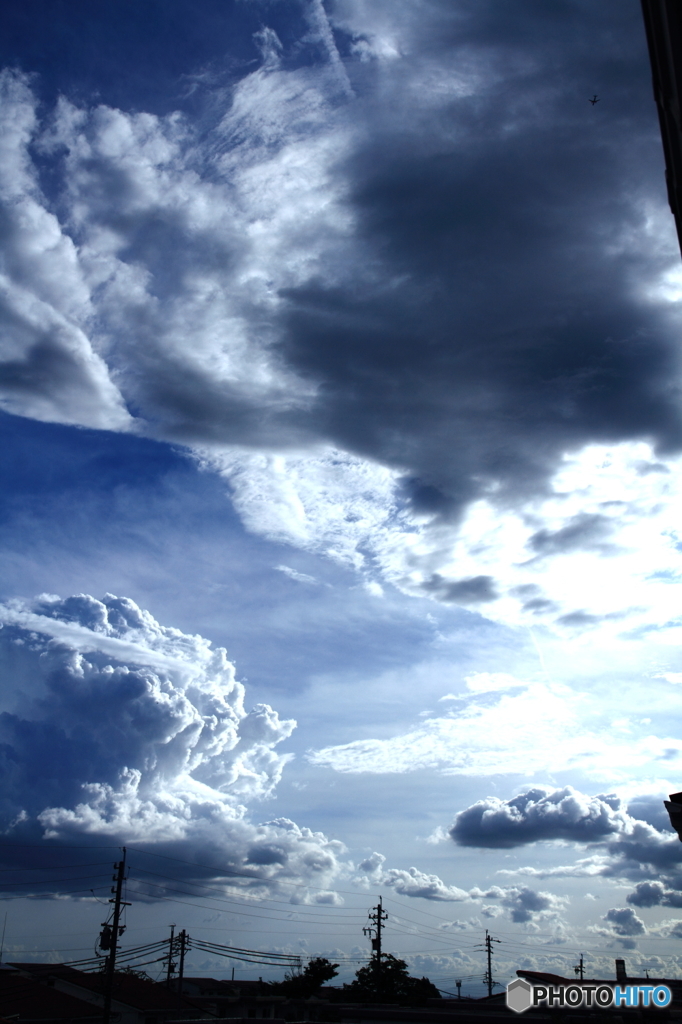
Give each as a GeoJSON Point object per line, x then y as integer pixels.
{"type": "Point", "coordinates": [339, 393]}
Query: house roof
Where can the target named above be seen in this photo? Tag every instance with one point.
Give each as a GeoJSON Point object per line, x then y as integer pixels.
{"type": "Point", "coordinates": [208, 986]}
{"type": "Point", "coordinates": [35, 1001]}
{"type": "Point", "coordinates": [225, 987]}
{"type": "Point", "coordinates": [129, 989]}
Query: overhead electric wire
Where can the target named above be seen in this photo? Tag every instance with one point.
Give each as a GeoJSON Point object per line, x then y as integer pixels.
{"type": "Point", "coordinates": [291, 962]}
{"type": "Point", "coordinates": [42, 895]}
{"type": "Point", "coordinates": [419, 910]}
{"type": "Point", "coordinates": [240, 949]}
{"type": "Point", "coordinates": [143, 963]}
{"type": "Point", "coordinates": [73, 949]}
{"type": "Point", "coordinates": [285, 958]}
{"type": "Point", "coordinates": [592, 950]}
{"type": "Point", "coordinates": [184, 903]}
{"type": "Point", "coordinates": [293, 907]}
{"type": "Point", "coordinates": [435, 934]}
{"type": "Point", "coordinates": [246, 895]}
{"type": "Point", "coordinates": [59, 867]}
{"type": "Point", "coordinates": [64, 846]}
{"type": "Point", "coordinates": [49, 881]}
{"type": "Point", "coordinates": [124, 954]}
{"type": "Point", "coordinates": [170, 899]}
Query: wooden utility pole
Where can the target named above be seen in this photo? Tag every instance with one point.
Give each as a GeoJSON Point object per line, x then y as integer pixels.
{"type": "Point", "coordinates": [116, 932]}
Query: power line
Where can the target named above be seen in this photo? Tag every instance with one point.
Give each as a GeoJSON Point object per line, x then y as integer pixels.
{"type": "Point", "coordinates": [48, 881]}
{"type": "Point", "coordinates": [58, 867]}
{"type": "Point", "coordinates": [232, 902]}
{"type": "Point", "coordinates": [43, 895]}
{"type": "Point", "coordinates": [244, 895]}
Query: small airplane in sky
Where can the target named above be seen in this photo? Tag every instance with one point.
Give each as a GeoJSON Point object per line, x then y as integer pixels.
{"type": "Point", "coordinates": [595, 99]}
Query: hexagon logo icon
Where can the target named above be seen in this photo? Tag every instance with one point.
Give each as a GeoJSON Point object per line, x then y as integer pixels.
{"type": "Point", "coordinates": [519, 995]}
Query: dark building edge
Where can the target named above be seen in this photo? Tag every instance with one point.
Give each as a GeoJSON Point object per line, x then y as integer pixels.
{"type": "Point", "coordinates": [663, 23]}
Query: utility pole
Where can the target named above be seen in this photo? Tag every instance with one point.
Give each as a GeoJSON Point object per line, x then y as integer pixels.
{"type": "Point", "coordinates": [183, 939]}
{"type": "Point", "coordinates": [580, 968]}
{"type": "Point", "coordinates": [459, 989]}
{"type": "Point", "coordinates": [171, 951]}
{"type": "Point", "coordinates": [489, 952]}
{"type": "Point", "coordinates": [116, 932]}
{"type": "Point", "coordinates": [377, 917]}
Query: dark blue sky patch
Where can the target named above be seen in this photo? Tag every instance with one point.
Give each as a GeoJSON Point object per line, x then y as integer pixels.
{"type": "Point", "coordinates": [147, 55]}
{"type": "Point", "coordinates": [47, 458]}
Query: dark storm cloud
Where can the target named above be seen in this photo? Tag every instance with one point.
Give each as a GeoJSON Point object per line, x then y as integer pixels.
{"type": "Point", "coordinates": [500, 324]}
{"type": "Point", "coordinates": [538, 815]}
{"type": "Point", "coordinates": [482, 317]}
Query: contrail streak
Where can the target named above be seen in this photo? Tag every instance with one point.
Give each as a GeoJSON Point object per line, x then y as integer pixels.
{"type": "Point", "coordinates": [320, 23]}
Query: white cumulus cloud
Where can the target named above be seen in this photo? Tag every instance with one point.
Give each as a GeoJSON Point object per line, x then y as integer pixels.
{"type": "Point", "coordinates": [116, 726]}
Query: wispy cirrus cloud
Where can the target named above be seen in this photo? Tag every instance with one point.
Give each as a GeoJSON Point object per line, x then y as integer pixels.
{"type": "Point", "coordinates": [509, 726]}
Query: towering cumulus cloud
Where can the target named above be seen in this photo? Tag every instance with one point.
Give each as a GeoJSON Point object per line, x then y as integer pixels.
{"type": "Point", "coordinates": [115, 726]}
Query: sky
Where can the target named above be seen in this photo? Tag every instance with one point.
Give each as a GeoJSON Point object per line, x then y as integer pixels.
{"type": "Point", "coordinates": [342, 438]}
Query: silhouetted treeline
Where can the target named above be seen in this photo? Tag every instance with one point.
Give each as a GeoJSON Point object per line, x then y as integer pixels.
{"type": "Point", "coordinates": [386, 981]}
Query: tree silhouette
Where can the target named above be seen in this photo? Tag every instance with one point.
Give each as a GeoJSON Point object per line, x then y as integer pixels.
{"type": "Point", "coordinates": [389, 981]}
{"type": "Point", "coordinates": [302, 984]}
